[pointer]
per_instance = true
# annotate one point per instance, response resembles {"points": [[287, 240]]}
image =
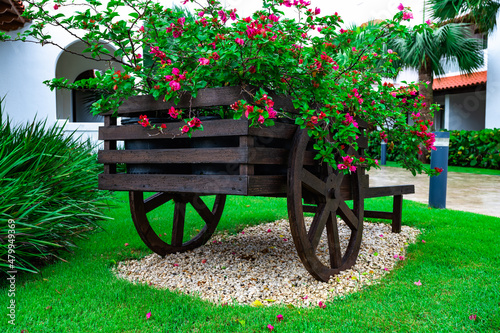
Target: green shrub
{"points": [[48, 187], [480, 149], [475, 148]]}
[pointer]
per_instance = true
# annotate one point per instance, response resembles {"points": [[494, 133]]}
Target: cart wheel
{"points": [[317, 190], [140, 207]]}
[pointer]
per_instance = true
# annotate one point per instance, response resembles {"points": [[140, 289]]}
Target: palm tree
{"points": [[426, 47], [481, 13]]}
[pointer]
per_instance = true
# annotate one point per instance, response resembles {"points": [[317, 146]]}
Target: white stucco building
{"points": [[471, 104]]}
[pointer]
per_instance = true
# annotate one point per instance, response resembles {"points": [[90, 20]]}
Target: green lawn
{"points": [[459, 267], [452, 168]]}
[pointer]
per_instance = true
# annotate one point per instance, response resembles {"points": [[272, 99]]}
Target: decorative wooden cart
{"points": [[275, 161]]}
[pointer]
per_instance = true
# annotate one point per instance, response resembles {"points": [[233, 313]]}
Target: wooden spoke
{"points": [[321, 184], [318, 225], [178, 225], [313, 183], [348, 216], [155, 240], [333, 242], [156, 200]]}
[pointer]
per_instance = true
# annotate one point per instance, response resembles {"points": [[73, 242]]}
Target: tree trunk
{"points": [[425, 75]]}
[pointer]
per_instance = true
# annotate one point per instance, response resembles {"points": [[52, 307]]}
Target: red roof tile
{"points": [[459, 81], [10, 15]]}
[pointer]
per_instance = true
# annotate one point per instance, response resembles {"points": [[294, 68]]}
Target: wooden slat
{"points": [[223, 96], [257, 155], [384, 191], [278, 131], [222, 127], [200, 184], [267, 185], [378, 215]]}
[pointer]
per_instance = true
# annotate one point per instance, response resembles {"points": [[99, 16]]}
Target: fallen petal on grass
{"points": [[418, 283], [148, 315], [472, 317]]}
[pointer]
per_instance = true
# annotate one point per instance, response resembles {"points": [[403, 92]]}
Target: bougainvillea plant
{"points": [[334, 75]]}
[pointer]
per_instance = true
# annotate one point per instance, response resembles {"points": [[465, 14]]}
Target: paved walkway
{"points": [[465, 192]]}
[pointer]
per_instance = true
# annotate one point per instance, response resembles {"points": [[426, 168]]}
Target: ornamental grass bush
{"points": [[48, 193]]}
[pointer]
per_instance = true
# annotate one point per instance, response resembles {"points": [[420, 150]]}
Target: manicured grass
{"points": [[459, 267], [452, 168]]}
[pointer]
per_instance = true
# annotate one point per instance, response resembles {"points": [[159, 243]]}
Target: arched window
{"points": [[74, 105], [82, 101]]}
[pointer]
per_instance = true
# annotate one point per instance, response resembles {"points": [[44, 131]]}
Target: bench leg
{"points": [[397, 212]]}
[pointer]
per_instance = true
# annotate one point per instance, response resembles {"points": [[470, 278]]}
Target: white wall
{"points": [[492, 119], [24, 67]]}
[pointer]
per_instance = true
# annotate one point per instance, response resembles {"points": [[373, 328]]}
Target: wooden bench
{"points": [[397, 193]]}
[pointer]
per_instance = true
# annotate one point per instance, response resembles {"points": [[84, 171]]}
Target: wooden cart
{"points": [[274, 161]]}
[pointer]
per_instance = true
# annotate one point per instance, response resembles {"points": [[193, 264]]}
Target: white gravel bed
{"points": [[260, 264]]}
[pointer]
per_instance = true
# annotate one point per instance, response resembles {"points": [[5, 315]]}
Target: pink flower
{"points": [[56, 6], [305, 297], [418, 283], [381, 235], [429, 23], [407, 16], [233, 14], [261, 119], [390, 51], [175, 85], [386, 269], [401, 258], [148, 315], [423, 241], [401, 7], [201, 14], [204, 61], [138, 56], [472, 317], [280, 318], [270, 327], [126, 244], [215, 56], [239, 41], [195, 122], [321, 305], [176, 265], [185, 129], [173, 113], [242, 232]]}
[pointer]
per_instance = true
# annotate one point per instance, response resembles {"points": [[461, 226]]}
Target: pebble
{"points": [[258, 265]]}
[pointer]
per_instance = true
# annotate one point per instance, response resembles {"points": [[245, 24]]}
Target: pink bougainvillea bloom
{"points": [[396, 256], [390, 51], [175, 85], [176, 265], [381, 235], [139, 56], [204, 61], [472, 317], [268, 230], [270, 327], [321, 305], [423, 241], [185, 129], [56, 6], [429, 23], [239, 41], [407, 16], [148, 315], [354, 49], [401, 7], [418, 283], [242, 232], [439, 170], [284, 239], [176, 71], [126, 244], [401, 258], [232, 15], [386, 269], [376, 161], [279, 317], [201, 14]]}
